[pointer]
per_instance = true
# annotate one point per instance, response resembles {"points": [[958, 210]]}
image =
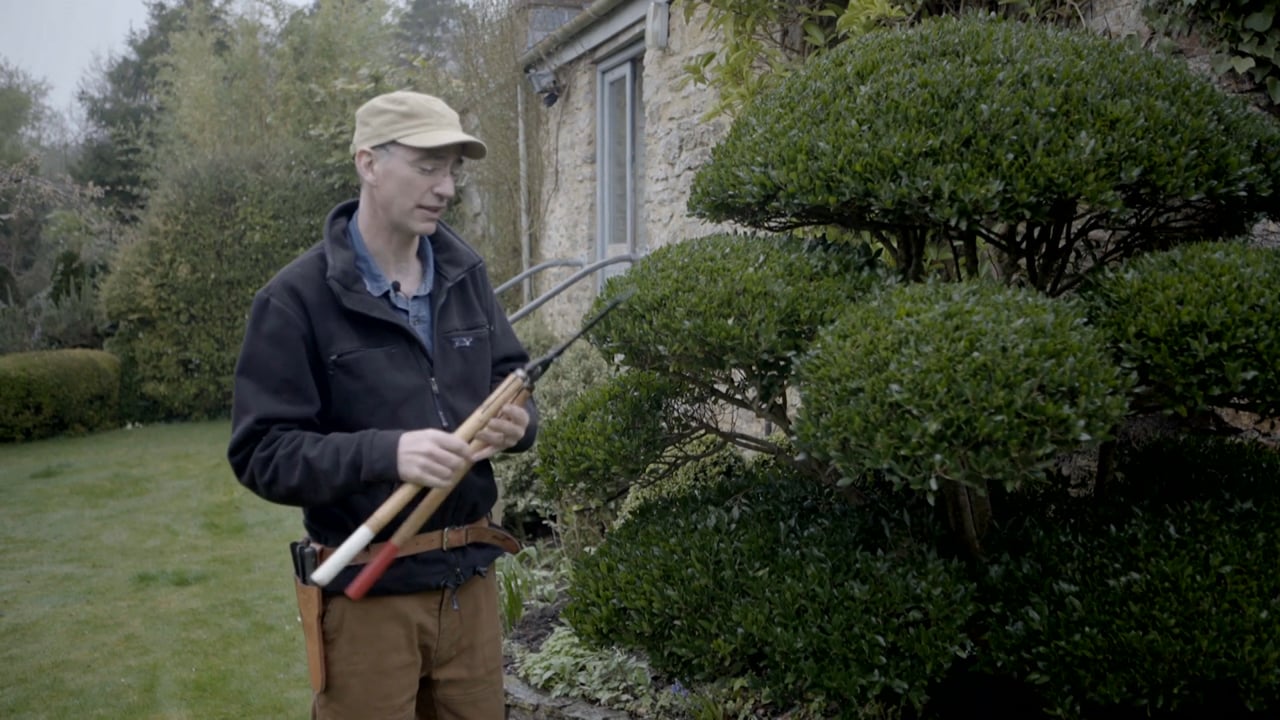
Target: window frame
{"points": [[626, 66]]}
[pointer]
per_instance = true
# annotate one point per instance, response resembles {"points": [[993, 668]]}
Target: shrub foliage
{"points": [[608, 437], [971, 383], [768, 575], [1198, 325], [726, 315], [957, 140], [1167, 600]]}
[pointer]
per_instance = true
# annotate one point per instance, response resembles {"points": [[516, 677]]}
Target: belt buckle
{"points": [[444, 538]]}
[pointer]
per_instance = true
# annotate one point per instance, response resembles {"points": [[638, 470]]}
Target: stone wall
{"points": [[678, 136], [568, 200], [1117, 18]]}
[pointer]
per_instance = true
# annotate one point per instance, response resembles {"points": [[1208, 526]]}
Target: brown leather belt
{"points": [[479, 531]]}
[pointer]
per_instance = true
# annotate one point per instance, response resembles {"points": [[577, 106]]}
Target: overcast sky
{"points": [[56, 40]]}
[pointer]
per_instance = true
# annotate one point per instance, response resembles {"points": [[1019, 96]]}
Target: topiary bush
{"points": [[1165, 600], [710, 461], [1197, 325], [526, 508], [969, 383], [722, 318], [977, 146], [771, 577], [607, 438], [55, 392], [216, 231], [729, 312], [705, 343]]}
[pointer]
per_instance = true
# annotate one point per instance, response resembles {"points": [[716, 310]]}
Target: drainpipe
{"points": [[526, 251]]}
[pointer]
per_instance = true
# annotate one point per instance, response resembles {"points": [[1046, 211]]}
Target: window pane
{"points": [[617, 154]]}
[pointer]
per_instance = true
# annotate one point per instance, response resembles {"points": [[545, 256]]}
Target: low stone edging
{"points": [[525, 702]]}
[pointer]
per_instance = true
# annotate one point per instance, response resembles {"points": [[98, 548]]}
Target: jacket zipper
{"points": [[437, 300], [435, 393]]}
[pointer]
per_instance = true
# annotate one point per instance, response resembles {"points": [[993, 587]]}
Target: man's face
{"points": [[413, 186]]}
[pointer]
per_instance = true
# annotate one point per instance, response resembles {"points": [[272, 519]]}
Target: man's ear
{"points": [[365, 166]]}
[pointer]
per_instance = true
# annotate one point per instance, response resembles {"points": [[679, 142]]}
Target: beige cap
{"points": [[412, 119]]}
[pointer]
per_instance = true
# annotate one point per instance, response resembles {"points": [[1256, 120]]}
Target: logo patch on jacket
{"points": [[463, 341]]}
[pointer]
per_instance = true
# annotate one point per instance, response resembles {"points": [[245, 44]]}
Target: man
{"points": [[359, 360]]}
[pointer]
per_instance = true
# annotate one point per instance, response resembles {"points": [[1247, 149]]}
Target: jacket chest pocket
{"points": [[464, 363], [375, 387]]}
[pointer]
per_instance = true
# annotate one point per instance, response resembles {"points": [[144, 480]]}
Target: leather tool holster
{"points": [[310, 609]]}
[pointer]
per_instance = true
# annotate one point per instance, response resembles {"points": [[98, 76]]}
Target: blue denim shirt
{"points": [[417, 307]]}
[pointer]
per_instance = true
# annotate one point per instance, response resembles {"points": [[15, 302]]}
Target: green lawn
{"points": [[138, 579]]}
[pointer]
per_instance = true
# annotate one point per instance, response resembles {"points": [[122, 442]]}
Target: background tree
{"points": [[52, 242], [431, 33], [22, 110], [251, 154], [24, 195], [486, 92], [122, 103]]}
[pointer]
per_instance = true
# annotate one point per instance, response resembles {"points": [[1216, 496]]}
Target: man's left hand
{"points": [[502, 431]]}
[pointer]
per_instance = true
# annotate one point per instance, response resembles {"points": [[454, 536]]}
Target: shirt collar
{"points": [[374, 281]]}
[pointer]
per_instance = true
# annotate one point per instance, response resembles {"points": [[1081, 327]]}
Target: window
{"points": [[617, 132]]}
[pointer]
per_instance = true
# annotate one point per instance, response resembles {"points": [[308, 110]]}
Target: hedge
{"points": [[54, 392], [1163, 598], [216, 231]]}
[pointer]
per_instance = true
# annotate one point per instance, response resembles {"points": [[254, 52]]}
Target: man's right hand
{"points": [[430, 457]]}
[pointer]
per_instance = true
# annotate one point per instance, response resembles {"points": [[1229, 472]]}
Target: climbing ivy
{"points": [[1246, 34], [764, 41]]}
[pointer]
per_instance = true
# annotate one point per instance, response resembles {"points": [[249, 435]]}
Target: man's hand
{"points": [[430, 457], [502, 431]]}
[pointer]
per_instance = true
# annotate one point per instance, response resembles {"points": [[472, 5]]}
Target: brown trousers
{"points": [[407, 657]]}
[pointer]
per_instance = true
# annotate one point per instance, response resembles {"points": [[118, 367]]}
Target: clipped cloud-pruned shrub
{"points": [[773, 578], [525, 506], [1198, 324], [55, 392], [1166, 602], [606, 438], [711, 461], [216, 230], [972, 383], [728, 313], [1061, 149]]}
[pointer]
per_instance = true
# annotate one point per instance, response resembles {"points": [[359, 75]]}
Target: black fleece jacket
{"points": [[329, 377]]}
